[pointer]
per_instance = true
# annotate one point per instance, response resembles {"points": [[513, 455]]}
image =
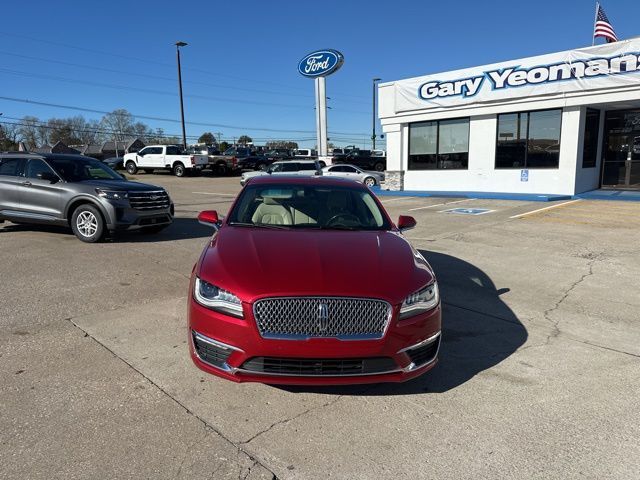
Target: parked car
{"points": [[231, 160], [363, 159], [169, 157], [279, 154], [254, 161], [80, 192], [351, 172], [286, 167], [324, 289], [305, 153], [114, 163]]}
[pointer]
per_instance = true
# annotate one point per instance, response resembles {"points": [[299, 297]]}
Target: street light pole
{"points": [[373, 134], [184, 132]]}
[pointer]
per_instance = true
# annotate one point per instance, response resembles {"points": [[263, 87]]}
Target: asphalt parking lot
{"points": [[538, 377]]}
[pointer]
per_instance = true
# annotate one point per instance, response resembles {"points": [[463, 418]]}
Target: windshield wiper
{"points": [[260, 225]]}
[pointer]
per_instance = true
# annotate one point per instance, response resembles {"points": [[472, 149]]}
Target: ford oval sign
{"points": [[320, 63]]}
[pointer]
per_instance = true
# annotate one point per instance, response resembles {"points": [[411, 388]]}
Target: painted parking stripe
{"points": [[395, 200], [219, 194], [545, 208], [440, 204]]}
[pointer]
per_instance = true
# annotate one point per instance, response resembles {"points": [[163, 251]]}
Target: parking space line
{"points": [[395, 200], [219, 194], [440, 204], [545, 208]]}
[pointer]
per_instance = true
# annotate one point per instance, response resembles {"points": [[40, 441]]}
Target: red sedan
{"points": [[308, 281]]}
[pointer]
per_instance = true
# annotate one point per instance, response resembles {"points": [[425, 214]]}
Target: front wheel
{"points": [[379, 167], [87, 224], [370, 182], [179, 170], [131, 168], [221, 169]]}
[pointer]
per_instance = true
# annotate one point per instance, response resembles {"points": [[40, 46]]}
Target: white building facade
{"points": [[562, 123]]}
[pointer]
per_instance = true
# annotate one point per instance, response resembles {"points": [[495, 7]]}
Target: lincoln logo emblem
{"points": [[323, 317]]}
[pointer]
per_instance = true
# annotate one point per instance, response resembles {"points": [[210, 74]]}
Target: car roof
{"points": [[301, 180], [48, 155], [341, 165]]}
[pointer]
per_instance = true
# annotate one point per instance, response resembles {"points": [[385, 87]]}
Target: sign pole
{"points": [[321, 115]]}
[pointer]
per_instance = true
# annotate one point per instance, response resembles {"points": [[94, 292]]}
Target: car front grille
{"points": [[306, 317], [319, 366], [151, 200]]}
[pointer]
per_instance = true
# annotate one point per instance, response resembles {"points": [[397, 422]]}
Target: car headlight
{"points": [[112, 194], [420, 301], [217, 299]]}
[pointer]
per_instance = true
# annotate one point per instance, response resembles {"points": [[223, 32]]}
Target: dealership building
{"points": [[562, 123]]}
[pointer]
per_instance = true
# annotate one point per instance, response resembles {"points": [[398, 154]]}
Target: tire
{"points": [[370, 182], [131, 168], [221, 169], [87, 223], [379, 167], [148, 170], [179, 170], [153, 229]]}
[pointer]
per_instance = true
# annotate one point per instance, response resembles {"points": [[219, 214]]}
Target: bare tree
{"points": [[119, 123], [28, 131]]}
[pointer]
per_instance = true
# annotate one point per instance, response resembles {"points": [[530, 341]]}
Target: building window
{"points": [[440, 144], [529, 139], [591, 129]]}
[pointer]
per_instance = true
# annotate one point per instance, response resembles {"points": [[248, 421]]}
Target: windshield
{"points": [[76, 169], [308, 206]]}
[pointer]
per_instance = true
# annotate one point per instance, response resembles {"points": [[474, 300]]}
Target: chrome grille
{"points": [[305, 317], [151, 200]]}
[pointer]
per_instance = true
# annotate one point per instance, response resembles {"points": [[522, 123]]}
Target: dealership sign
{"points": [[606, 66], [320, 63]]}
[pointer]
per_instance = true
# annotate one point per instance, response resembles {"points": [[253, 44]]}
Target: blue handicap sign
{"points": [[524, 175], [468, 211]]}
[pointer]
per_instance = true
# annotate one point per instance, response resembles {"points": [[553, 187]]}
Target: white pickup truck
{"points": [[167, 157]]}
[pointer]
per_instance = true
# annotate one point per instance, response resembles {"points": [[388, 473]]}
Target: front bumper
{"points": [[232, 348], [121, 216]]}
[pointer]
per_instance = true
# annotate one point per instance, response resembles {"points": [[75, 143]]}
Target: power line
{"points": [[155, 62], [169, 79], [170, 120]]}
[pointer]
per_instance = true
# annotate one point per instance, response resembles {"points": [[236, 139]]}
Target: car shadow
{"points": [[180, 229], [478, 332]]}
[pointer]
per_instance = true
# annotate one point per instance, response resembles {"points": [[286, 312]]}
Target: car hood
{"points": [[258, 173], [124, 185], [254, 262]]}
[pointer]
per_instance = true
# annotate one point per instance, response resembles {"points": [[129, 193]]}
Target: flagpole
{"points": [[595, 20]]}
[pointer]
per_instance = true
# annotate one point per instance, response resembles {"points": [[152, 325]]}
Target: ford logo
{"points": [[320, 63]]}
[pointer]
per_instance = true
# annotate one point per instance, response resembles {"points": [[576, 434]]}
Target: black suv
{"points": [[80, 192]]}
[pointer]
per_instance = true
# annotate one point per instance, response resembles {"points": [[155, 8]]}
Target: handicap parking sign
{"points": [[524, 175]]}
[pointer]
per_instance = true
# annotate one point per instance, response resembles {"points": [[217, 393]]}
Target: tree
{"points": [[224, 145], [8, 137], [207, 138], [282, 144], [119, 123], [28, 132], [244, 139]]}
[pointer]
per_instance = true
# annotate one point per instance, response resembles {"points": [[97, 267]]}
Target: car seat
{"points": [[272, 212]]}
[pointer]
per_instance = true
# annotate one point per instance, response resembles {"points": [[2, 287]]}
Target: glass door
{"points": [[621, 150]]}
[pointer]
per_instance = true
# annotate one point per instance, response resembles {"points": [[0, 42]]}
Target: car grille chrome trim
{"points": [[212, 352], [423, 353], [149, 200], [300, 318]]}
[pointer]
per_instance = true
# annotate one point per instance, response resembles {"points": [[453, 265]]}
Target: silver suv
{"points": [[80, 192]]}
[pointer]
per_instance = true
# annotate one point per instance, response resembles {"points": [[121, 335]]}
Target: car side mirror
{"points": [[406, 222], [48, 176], [209, 218]]}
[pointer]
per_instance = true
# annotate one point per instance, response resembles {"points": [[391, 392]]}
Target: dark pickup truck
{"points": [[363, 159]]}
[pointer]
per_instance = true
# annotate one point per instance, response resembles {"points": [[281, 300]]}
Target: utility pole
{"points": [[373, 134], [184, 132]]}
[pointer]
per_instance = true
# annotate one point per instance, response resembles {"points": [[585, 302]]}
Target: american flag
{"points": [[602, 27]]}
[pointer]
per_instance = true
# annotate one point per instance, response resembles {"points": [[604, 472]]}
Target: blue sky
{"points": [[239, 69]]}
